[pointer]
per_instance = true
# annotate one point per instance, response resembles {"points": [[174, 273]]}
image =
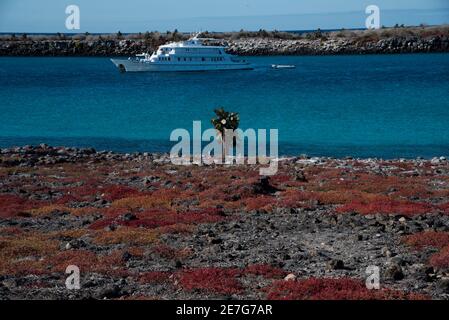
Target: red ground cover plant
{"points": [[113, 212], [22, 268], [293, 198], [211, 280], [11, 231], [67, 198], [281, 178], [406, 208], [88, 261], [154, 277], [12, 205], [436, 239], [168, 252], [161, 198], [441, 258], [261, 203], [85, 260], [332, 289], [347, 197], [23, 253], [26, 245], [87, 191], [444, 207], [116, 192], [164, 251], [265, 271]]}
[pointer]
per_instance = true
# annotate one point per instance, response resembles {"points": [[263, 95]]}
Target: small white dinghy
{"points": [[283, 66]]}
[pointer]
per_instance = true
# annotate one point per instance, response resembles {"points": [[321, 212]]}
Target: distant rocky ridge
{"points": [[244, 47], [339, 46], [391, 40]]}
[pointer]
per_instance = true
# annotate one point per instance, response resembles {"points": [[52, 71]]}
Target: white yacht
{"points": [[190, 55]]}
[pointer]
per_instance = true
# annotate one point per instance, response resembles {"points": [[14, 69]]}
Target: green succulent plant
{"points": [[225, 120]]}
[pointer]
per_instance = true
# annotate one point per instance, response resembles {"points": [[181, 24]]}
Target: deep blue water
{"points": [[383, 106]]}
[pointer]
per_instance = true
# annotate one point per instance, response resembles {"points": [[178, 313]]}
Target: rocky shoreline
{"points": [[260, 47], [389, 41], [140, 227]]}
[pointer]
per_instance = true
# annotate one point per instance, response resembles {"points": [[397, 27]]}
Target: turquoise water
{"points": [[384, 106]]}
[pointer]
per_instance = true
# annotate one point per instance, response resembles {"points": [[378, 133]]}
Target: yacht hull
{"points": [[142, 66]]}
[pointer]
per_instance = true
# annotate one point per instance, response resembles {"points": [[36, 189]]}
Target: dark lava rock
{"points": [[129, 217], [443, 284], [126, 256], [430, 274], [394, 272], [108, 292], [216, 241], [335, 264], [299, 176], [263, 186]]}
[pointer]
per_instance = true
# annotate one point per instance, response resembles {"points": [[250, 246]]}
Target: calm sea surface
{"points": [[383, 106]]}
